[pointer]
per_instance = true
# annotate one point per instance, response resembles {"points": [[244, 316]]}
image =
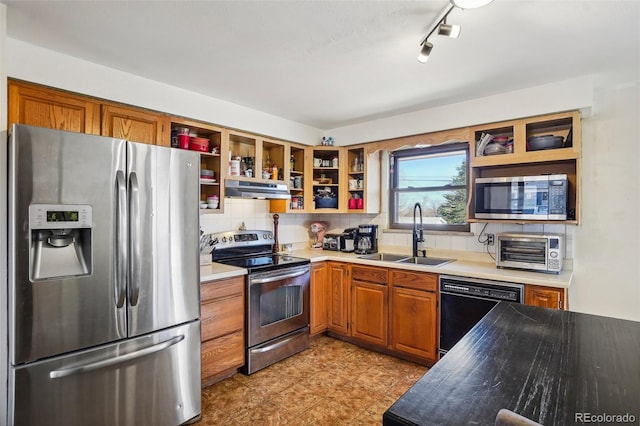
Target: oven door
{"points": [[278, 303]]}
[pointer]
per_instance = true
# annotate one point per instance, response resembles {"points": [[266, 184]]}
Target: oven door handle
{"points": [[270, 279]]}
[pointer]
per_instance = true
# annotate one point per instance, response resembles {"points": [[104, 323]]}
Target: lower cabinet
{"points": [[546, 297], [389, 310], [369, 304], [339, 297], [319, 296], [222, 323], [414, 313]]}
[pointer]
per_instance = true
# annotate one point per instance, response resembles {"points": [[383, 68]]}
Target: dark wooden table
{"points": [[553, 367]]}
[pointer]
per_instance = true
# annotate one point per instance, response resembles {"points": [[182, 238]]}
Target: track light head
{"points": [[470, 4], [448, 30], [425, 51]]}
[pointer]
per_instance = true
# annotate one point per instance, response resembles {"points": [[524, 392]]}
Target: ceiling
{"points": [[332, 63]]}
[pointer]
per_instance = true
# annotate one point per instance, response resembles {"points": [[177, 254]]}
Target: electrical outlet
{"points": [[490, 239]]}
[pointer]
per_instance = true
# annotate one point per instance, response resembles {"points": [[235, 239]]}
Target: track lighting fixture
{"points": [[449, 30], [470, 4], [445, 29], [425, 51]]}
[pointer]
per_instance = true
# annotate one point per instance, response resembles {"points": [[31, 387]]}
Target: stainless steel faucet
{"points": [[418, 233]]}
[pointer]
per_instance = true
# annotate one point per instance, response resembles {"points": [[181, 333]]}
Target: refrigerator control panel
{"points": [[60, 216]]}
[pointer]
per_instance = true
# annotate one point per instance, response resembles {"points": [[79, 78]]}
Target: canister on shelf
{"points": [[234, 166]]}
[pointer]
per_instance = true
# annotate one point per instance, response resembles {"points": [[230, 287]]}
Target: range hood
{"points": [[255, 189]]}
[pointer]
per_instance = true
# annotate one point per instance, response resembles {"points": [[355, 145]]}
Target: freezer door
{"points": [[49, 316], [149, 380], [164, 265]]}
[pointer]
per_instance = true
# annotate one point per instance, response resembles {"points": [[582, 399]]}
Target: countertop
{"points": [[218, 271], [547, 365], [461, 267]]}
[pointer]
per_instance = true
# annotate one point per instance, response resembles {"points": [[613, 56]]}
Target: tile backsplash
{"points": [[294, 228]]}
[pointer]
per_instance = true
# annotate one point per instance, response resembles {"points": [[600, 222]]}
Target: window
{"points": [[435, 177]]}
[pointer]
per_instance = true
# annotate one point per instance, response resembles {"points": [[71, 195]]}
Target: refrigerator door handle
{"points": [[84, 368], [121, 239], [134, 239]]}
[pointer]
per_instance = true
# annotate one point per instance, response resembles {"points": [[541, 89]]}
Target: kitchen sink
{"points": [[429, 261], [385, 257]]}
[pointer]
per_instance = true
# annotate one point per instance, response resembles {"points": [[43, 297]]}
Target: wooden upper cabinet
{"points": [[43, 107], [134, 125]]}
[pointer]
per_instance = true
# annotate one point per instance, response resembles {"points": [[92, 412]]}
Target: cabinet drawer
{"points": [[369, 274], [222, 354], [221, 288], [222, 316], [415, 280]]}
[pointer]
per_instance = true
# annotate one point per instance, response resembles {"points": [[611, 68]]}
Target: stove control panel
{"points": [[234, 239]]}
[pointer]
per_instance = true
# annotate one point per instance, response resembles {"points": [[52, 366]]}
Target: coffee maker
{"points": [[366, 240]]}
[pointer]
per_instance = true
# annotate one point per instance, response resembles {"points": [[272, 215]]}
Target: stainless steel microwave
{"points": [[532, 251], [541, 197]]}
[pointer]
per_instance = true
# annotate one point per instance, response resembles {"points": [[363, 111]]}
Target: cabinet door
{"points": [[369, 312], [545, 297], [319, 298], [413, 322], [339, 301], [43, 107], [134, 125]]}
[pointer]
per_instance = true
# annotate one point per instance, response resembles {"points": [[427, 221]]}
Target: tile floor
{"points": [[331, 383]]}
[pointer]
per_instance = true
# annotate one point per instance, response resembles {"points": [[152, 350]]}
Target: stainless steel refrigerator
{"points": [[103, 281]]}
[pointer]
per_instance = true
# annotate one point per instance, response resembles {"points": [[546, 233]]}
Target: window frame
{"points": [[394, 190]]}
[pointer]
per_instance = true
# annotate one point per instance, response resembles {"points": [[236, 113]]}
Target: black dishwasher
{"points": [[464, 301]]}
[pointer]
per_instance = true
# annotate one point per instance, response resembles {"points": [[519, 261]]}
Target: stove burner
{"points": [[252, 250], [264, 262]]}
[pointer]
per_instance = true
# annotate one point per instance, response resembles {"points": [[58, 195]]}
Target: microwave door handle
{"points": [[134, 239], [121, 240]]}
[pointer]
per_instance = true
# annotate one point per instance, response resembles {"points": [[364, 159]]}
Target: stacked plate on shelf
{"points": [[492, 145], [207, 176]]}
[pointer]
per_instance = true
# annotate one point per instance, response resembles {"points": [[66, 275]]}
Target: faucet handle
{"points": [[424, 252]]}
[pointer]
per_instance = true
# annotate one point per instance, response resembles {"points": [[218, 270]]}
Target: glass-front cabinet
{"points": [[326, 179], [356, 180], [272, 154], [209, 141], [294, 175], [241, 155], [297, 178]]}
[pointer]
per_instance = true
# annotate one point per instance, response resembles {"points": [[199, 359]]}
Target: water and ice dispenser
{"points": [[60, 241]]}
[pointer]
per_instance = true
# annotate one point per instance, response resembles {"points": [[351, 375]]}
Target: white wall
{"points": [[576, 93], [38, 65], [607, 243]]}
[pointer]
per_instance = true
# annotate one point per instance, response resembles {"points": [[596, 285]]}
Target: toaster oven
{"points": [[340, 242], [334, 242], [532, 251]]}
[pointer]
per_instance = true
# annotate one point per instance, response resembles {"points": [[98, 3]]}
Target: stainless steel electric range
{"points": [[277, 296]]}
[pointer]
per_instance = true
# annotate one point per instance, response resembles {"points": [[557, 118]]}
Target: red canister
{"points": [[183, 141]]}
